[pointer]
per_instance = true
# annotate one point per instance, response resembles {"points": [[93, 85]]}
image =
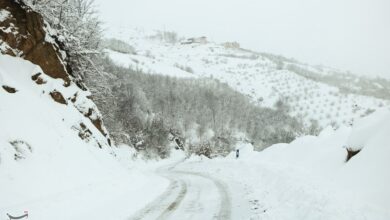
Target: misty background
{"points": [[349, 35]]}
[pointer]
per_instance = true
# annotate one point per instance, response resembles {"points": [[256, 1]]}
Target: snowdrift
{"points": [[310, 177]]}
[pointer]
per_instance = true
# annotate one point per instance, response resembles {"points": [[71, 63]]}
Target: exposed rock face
{"points": [[99, 125], [24, 33]]}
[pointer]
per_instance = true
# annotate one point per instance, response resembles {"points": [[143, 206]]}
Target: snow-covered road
{"points": [[191, 195]]}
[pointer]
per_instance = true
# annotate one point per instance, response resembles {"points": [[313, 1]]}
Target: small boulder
{"points": [[99, 125], [351, 153], [9, 89], [38, 79], [58, 97]]}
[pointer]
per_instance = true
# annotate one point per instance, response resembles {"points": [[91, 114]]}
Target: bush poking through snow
{"points": [[21, 149], [84, 132], [73, 99], [201, 149], [351, 153], [185, 68]]}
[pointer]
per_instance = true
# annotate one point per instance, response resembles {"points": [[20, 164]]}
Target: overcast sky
{"points": [[347, 34]]}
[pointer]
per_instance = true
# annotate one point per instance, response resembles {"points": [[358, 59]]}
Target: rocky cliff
{"points": [[25, 34]]}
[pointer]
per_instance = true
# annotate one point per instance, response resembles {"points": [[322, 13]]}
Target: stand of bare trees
{"points": [[205, 113]]}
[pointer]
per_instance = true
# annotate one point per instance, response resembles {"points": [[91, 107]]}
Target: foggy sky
{"points": [[347, 34]]}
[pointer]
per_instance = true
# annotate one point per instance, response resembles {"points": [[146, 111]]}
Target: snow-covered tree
{"points": [[78, 29]]}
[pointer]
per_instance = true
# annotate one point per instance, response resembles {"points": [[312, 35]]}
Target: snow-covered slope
{"points": [[36, 94], [263, 77], [54, 162], [310, 178]]}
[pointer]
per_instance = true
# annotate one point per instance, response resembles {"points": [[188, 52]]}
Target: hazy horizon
{"points": [[349, 35]]}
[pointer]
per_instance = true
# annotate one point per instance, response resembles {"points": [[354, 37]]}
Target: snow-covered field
{"points": [[262, 79]]}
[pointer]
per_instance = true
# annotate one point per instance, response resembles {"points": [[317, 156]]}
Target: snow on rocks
{"points": [[4, 14], [31, 40], [20, 74]]}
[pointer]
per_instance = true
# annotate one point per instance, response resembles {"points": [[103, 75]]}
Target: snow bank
{"points": [[368, 171], [310, 178], [368, 128]]}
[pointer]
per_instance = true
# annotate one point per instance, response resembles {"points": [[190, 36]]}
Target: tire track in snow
{"points": [[169, 202], [173, 206], [160, 202], [225, 202]]}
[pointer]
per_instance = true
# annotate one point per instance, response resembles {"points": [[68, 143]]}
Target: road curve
{"points": [[190, 195]]}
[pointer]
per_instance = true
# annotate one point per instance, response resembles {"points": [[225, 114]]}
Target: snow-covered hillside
{"points": [[54, 163], [260, 76]]}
